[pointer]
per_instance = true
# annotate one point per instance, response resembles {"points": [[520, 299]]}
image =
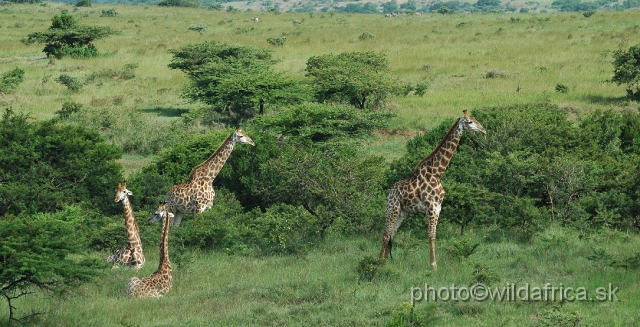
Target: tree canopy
{"points": [[233, 79], [65, 37], [44, 166], [359, 78], [627, 70]]}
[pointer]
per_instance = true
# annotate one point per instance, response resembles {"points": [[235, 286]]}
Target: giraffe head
{"points": [[122, 192], [240, 137], [469, 123], [160, 213]]}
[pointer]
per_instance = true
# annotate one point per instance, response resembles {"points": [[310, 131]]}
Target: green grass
{"points": [[322, 287], [452, 53]]}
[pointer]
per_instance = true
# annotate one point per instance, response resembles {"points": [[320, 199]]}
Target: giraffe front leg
{"points": [[177, 218], [433, 214]]}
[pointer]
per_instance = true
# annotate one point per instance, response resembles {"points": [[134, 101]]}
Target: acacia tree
{"points": [[65, 37], [627, 70], [42, 253], [359, 78], [234, 79]]}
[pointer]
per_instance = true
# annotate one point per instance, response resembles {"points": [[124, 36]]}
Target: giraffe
{"points": [[423, 192], [159, 283], [196, 195], [130, 255]]}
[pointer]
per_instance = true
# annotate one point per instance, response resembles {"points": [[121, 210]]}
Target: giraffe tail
{"points": [[390, 247]]}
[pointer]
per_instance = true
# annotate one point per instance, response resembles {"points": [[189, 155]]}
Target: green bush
{"points": [[368, 268], [83, 3], [561, 88], [109, 13], [72, 83], [277, 41], [46, 165], [10, 80], [180, 3]]}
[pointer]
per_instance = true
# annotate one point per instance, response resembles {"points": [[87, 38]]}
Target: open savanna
{"points": [[469, 61]]}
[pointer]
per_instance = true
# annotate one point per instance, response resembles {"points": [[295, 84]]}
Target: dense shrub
{"points": [[535, 166], [45, 165], [10, 80]]}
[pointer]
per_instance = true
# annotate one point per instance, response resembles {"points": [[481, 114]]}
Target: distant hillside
{"points": [[401, 7]]}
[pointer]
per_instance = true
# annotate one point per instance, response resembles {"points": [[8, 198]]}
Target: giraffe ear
{"points": [[171, 215], [129, 192]]}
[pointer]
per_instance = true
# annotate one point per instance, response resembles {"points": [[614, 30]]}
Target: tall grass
{"points": [[322, 287]]}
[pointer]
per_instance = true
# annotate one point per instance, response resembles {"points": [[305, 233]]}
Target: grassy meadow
{"points": [[468, 61]]}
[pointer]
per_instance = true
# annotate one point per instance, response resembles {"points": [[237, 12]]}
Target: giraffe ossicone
{"points": [[197, 195], [160, 282], [423, 192], [131, 254]]}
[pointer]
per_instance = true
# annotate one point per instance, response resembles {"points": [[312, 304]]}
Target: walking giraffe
{"points": [[159, 283], [423, 192], [131, 255], [197, 195]]}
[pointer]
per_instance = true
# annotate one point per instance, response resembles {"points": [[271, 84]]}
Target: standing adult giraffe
{"points": [[131, 254], [196, 195], [423, 192]]}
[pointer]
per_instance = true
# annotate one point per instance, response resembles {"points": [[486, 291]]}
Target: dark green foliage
{"points": [[277, 41], [10, 80], [42, 253], [235, 80], [359, 78], [44, 166], [463, 248], [83, 3], [408, 315], [627, 70], [334, 184], [561, 88], [180, 3], [484, 274], [536, 166], [72, 83], [368, 268], [319, 123], [68, 108], [365, 36], [66, 37], [109, 13]]}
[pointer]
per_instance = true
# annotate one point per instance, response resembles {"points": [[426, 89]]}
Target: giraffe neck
{"points": [[130, 223], [437, 162], [209, 169], [165, 264]]}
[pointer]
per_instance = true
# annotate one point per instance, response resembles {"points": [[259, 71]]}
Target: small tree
{"points": [[42, 254], [359, 78], [66, 37], [235, 80], [627, 70]]}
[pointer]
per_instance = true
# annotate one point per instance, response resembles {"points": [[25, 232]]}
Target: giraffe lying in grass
{"points": [[159, 283]]}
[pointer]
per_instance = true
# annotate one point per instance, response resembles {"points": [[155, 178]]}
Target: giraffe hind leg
{"points": [[394, 218]]}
